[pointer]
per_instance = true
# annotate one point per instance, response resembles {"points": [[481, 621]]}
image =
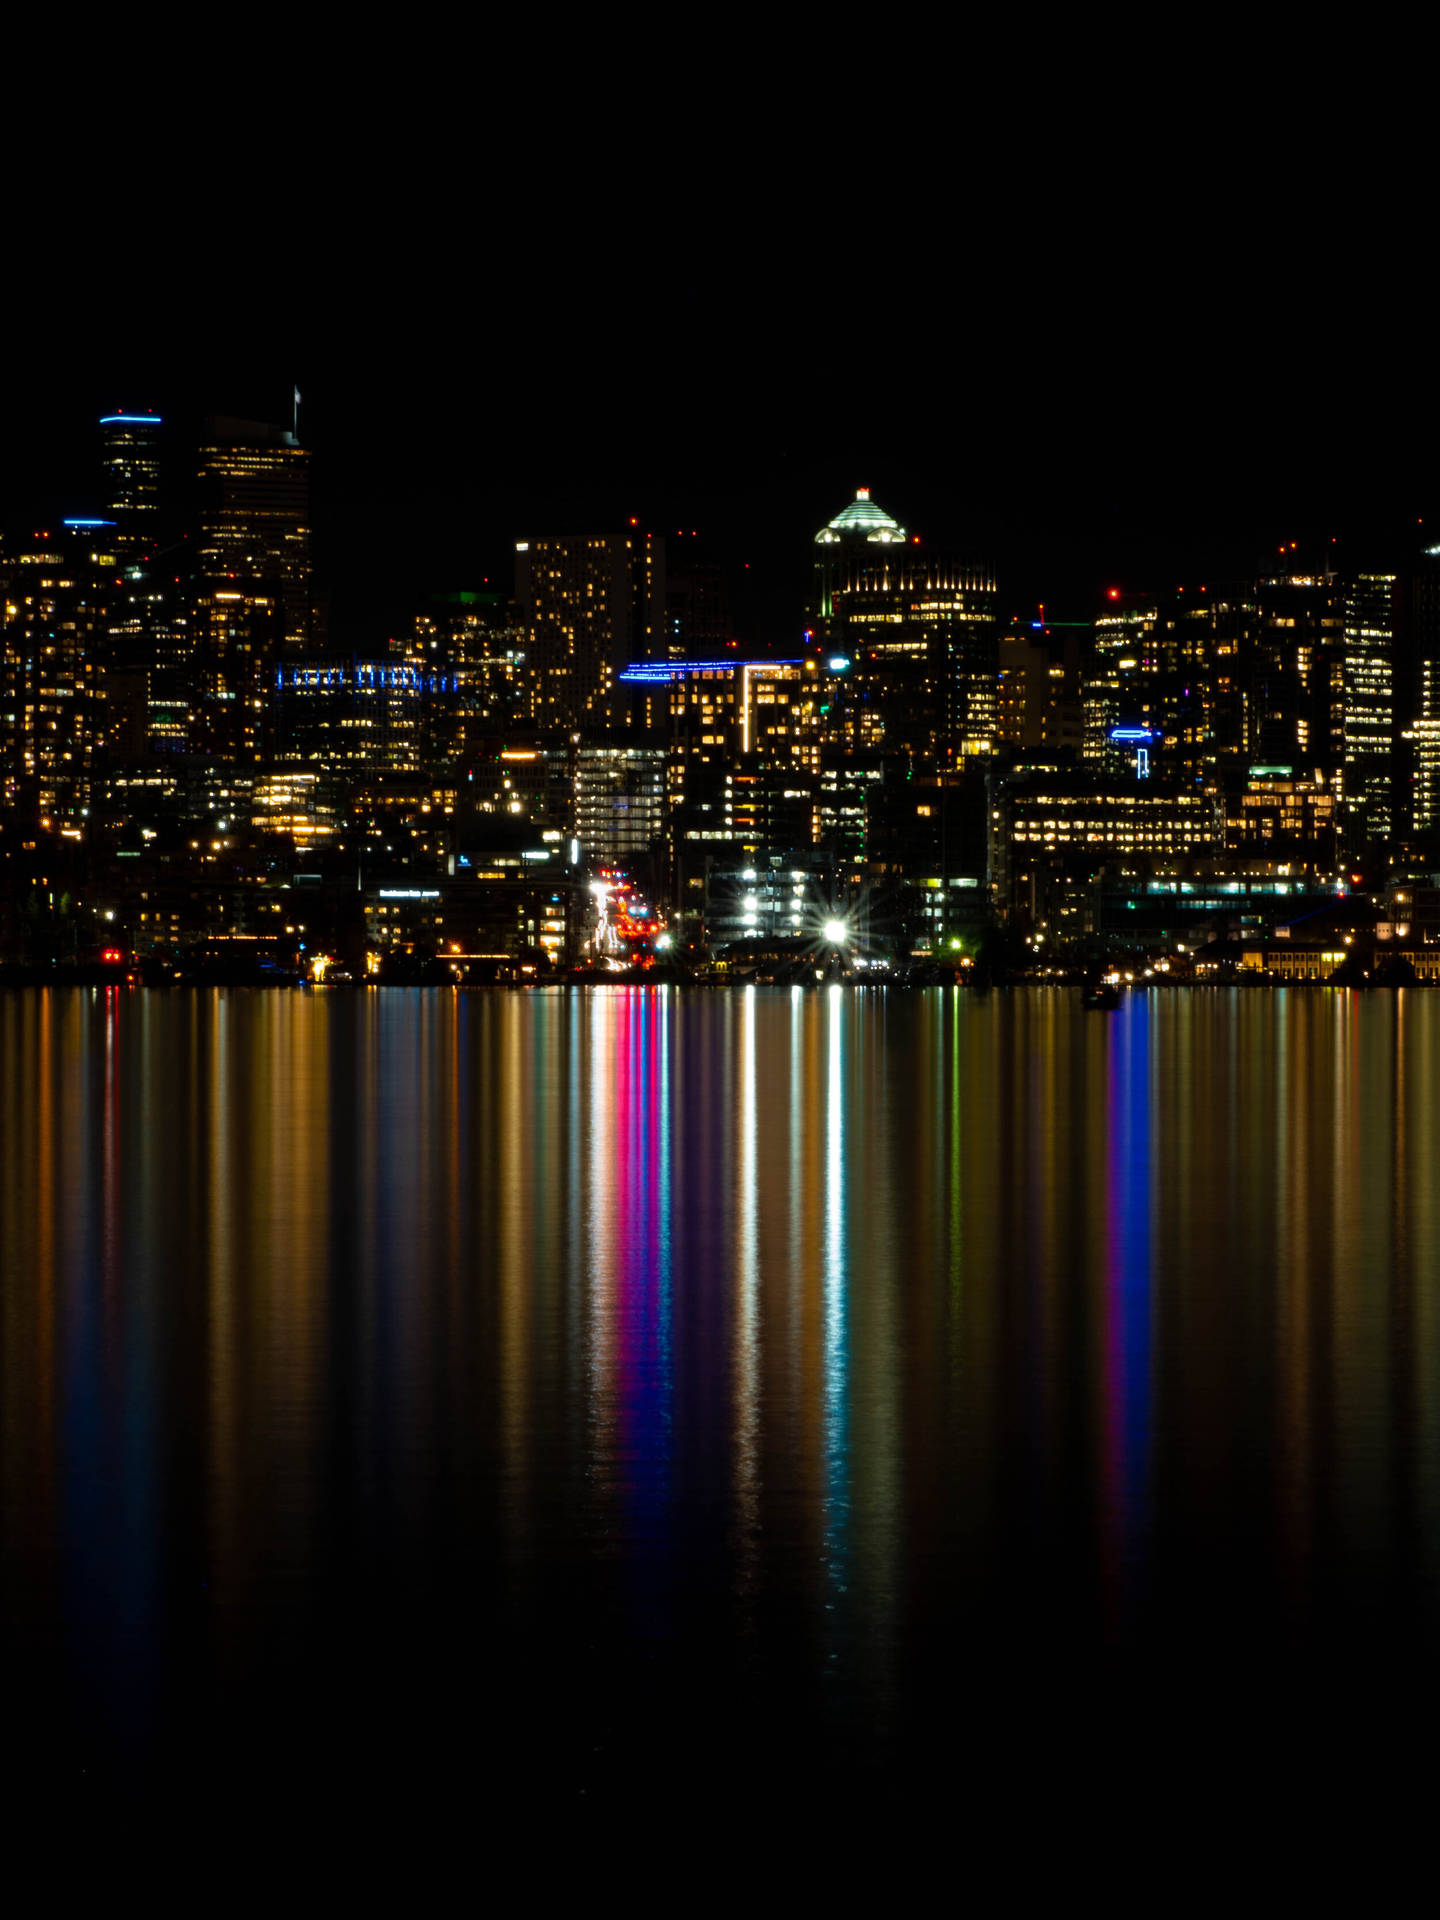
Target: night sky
{"points": [[1102, 311]]}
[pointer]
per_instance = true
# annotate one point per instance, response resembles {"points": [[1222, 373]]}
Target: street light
{"points": [[835, 932]]}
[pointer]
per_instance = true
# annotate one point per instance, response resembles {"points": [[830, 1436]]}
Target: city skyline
{"points": [[598, 768], [1056, 537]]}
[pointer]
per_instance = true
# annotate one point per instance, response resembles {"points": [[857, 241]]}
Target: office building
{"points": [[712, 713], [254, 530], [1368, 719], [1295, 675], [479, 639], [1049, 822], [53, 595], [380, 715], [130, 458], [1284, 822], [620, 802], [1038, 704], [916, 633], [590, 606]]}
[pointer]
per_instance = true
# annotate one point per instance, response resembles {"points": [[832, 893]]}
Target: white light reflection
{"points": [[747, 1310], [834, 1277]]}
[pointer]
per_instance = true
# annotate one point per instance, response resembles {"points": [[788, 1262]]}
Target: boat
{"points": [[1102, 995]]}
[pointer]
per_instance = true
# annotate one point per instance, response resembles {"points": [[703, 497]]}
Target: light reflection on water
{"points": [[646, 1371]]}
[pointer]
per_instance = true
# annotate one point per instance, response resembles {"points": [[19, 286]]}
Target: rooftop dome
{"points": [[862, 518]]}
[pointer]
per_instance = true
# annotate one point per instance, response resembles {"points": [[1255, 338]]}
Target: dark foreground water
{"points": [[637, 1397]]}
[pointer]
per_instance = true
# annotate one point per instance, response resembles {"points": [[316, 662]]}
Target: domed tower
{"points": [[861, 527], [912, 633]]}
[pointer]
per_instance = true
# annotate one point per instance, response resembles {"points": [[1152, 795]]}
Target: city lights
{"points": [[507, 777]]}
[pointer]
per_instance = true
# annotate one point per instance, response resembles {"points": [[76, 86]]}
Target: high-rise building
{"points": [[1295, 682], [697, 605], [1425, 745], [1206, 637], [713, 713], [233, 643], [1038, 697], [149, 686], [1169, 667], [51, 698], [861, 527], [1044, 822], [131, 461], [254, 529], [1285, 823], [1369, 708], [479, 639], [1417, 698], [374, 716], [1123, 682], [917, 633], [620, 804], [591, 604]]}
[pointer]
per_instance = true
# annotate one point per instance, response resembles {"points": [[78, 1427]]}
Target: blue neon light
{"points": [[365, 677], [87, 523], [1131, 733], [677, 669], [130, 420]]}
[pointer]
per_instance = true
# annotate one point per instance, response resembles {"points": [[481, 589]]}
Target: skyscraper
{"points": [[1369, 712], [591, 605], [131, 460], [51, 712], [1295, 690], [255, 519], [917, 630]]}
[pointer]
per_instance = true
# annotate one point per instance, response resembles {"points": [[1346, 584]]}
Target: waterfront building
{"points": [[1044, 821], [775, 899], [1284, 821]]}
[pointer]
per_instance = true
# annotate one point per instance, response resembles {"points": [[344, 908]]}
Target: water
{"points": [[640, 1393]]}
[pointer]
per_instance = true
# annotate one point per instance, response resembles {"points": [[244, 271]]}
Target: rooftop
{"points": [[861, 517]]}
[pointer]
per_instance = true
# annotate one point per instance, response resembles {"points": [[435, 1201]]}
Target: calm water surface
{"points": [[628, 1392]]}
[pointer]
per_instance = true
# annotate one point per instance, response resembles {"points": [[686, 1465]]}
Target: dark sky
{"points": [[1108, 309]]}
